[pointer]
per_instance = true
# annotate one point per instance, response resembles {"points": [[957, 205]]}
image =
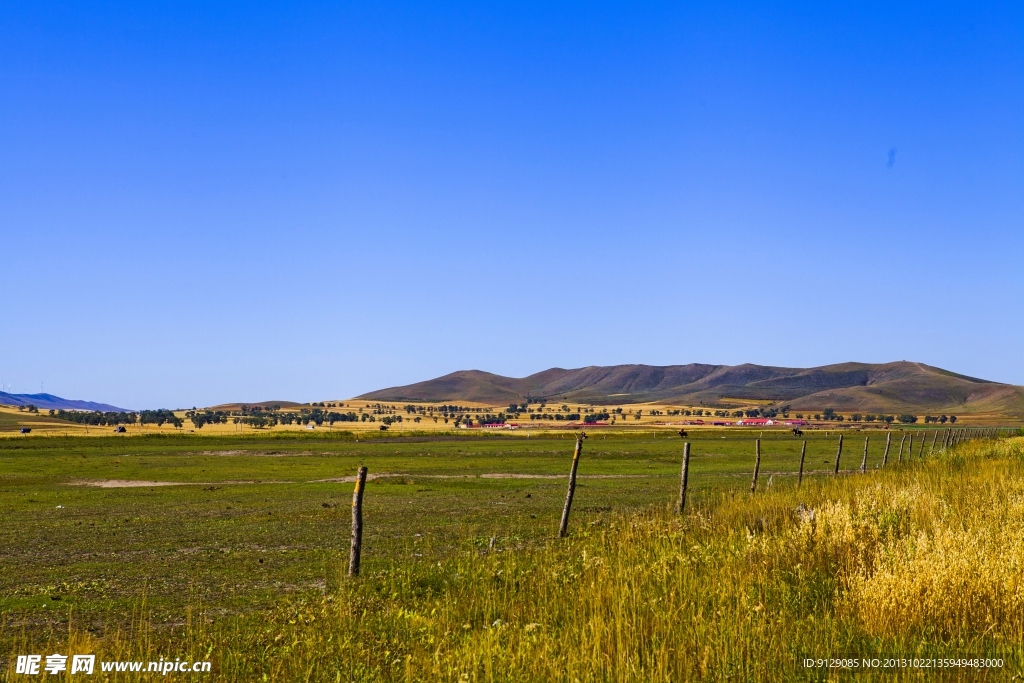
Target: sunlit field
{"points": [[241, 561], [368, 417]]}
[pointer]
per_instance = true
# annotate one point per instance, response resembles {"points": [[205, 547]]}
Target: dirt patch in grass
{"points": [[141, 483], [259, 454], [129, 483], [486, 475]]}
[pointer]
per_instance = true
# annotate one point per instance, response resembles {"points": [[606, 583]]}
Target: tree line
{"points": [[111, 419]]}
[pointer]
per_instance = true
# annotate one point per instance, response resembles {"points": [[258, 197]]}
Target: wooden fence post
{"points": [[757, 464], [903, 441], [839, 453], [935, 435], [683, 478], [563, 528], [803, 454], [920, 452], [864, 460], [357, 523], [885, 456]]}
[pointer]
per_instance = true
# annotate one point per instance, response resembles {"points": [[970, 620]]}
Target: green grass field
{"points": [[249, 550]]}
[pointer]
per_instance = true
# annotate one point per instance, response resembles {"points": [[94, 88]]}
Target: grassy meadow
{"points": [[242, 560]]}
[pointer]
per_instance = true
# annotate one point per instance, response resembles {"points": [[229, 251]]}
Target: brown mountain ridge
{"points": [[897, 387]]}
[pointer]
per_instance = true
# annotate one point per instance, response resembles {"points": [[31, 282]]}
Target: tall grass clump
{"points": [[921, 560]]}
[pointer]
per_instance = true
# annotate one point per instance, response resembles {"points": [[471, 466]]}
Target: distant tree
{"points": [[96, 418], [952, 419], [907, 419], [829, 414], [943, 419], [888, 419], [869, 418], [259, 422], [856, 417]]}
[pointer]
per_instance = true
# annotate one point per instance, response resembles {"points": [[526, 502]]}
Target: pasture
{"points": [[235, 546]]}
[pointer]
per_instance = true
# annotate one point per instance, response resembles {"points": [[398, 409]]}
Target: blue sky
{"points": [[203, 202]]}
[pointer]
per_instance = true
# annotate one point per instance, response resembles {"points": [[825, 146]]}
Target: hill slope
{"points": [[273, 405], [49, 401], [883, 387]]}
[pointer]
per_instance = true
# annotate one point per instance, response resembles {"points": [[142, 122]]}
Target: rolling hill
{"points": [[272, 405], [49, 401], [901, 386]]}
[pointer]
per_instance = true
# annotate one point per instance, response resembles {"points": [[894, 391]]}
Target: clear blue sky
{"points": [[205, 202]]}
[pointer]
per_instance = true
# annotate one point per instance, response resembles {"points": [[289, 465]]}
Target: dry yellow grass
{"points": [[653, 416]]}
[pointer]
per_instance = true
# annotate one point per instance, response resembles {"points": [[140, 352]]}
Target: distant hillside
{"points": [[48, 401], [886, 387], [274, 405]]}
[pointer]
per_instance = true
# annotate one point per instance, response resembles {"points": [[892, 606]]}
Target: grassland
{"points": [[241, 562]]}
